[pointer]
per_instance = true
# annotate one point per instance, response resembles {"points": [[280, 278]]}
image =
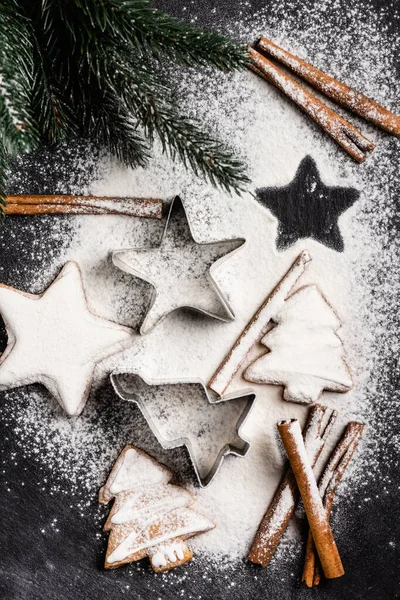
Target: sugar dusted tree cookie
{"points": [[306, 354], [149, 517]]}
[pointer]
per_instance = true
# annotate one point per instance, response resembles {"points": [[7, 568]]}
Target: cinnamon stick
{"points": [[82, 205], [328, 483], [341, 93], [292, 439], [345, 134], [273, 526], [54, 209], [257, 326]]}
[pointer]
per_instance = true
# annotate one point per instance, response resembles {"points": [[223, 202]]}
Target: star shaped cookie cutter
{"points": [[180, 269], [210, 435]]}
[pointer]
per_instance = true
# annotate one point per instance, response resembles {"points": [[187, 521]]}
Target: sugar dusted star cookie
{"points": [[54, 339]]}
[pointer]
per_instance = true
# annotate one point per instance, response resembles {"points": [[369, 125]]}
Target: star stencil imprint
{"points": [[55, 340], [307, 208], [180, 270]]}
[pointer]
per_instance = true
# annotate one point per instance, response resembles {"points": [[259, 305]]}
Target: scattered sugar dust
{"points": [[361, 283]]}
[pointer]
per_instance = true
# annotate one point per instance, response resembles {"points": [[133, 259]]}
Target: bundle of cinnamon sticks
{"points": [[343, 132], [304, 450]]}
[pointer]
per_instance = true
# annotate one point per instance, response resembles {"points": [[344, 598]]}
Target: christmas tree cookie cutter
{"points": [[184, 413], [180, 269]]}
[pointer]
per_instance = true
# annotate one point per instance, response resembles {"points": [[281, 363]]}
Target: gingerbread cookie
{"points": [[54, 339], [149, 517], [306, 354]]}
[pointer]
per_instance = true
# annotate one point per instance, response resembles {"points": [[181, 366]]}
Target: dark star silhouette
{"points": [[307, 208]]}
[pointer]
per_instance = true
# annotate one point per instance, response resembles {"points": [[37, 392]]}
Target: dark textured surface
{"points": [[43, 563]]}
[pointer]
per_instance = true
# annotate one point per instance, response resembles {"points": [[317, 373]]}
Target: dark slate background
{"points": [[38, 567]]}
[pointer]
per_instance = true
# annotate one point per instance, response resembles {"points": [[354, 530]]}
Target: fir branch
{"points": [[112, 127], [52, 105], [144, 95], [150, 31], [55, 114], [206, 156], [18, 128], [92, 72], [3, 179], [186, 44]]}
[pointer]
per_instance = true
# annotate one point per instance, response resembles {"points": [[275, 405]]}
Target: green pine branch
{"points": [[122, 138], [3, 179], [145, 94], [180, 136], [53, 108], [94, 68], [18, 127], [150, 31]]}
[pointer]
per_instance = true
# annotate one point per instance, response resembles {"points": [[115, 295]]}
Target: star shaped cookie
{"points": [[54, 339], [307, 208], [180, 270]]}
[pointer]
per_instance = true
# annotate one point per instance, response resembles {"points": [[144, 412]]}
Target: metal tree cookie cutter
{"points": [[180, 269], [212, 424]]}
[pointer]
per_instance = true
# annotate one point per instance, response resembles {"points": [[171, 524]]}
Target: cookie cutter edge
{"points": [[230, 315], [212, 399]]}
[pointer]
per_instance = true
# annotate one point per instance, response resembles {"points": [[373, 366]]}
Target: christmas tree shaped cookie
{"points": [[149, 517], [306, 354]]}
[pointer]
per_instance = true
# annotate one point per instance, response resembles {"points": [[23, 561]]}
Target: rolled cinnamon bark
{"points": [[341, 93], [67, 209], [328, 483], [328, 553], [273, 526], [83, 205], [309, 562], [343, 132]]}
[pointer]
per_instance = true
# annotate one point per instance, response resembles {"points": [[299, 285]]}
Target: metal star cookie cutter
{"points": [[210, 435], [185, 282]]}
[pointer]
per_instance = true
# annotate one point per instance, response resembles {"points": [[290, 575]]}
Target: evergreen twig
{"points": [[18, 128], [92, 68], [122, 138], [3, 179], [150, 31]]}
